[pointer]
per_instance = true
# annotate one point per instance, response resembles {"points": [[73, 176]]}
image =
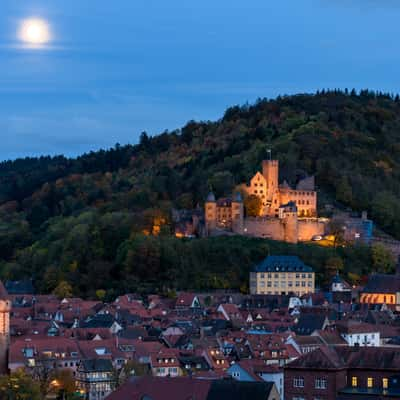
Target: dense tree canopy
{"points": [[103, 221]]}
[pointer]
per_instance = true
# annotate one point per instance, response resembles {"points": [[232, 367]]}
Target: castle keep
{"points": [[287, 214]]}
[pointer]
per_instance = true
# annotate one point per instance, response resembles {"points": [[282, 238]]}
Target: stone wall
{"points": [[309, 228]]}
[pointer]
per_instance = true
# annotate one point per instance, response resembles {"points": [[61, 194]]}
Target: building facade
{"points": [[286, 214], [282, 275]]}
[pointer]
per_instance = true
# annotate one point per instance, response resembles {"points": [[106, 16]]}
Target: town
{"points": [[285, 340]]}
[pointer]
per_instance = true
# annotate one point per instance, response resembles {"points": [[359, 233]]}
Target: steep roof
{"points": [[282, 264], [235, 390], [3, 292], [97, 365], [382, 283], [323, 357], [329, 357]]}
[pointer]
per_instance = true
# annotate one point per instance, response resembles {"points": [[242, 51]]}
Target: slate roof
{"points": [[97, 365], [382, 283], [308, 323], [235, 390], [282, 264]]}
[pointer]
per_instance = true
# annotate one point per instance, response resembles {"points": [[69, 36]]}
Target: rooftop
{"points": [[282, 264]]}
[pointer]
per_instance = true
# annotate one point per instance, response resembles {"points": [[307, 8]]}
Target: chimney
{"points": [[364, 215]]}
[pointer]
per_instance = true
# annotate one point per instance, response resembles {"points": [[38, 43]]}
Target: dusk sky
{"points": [[112, 69]]}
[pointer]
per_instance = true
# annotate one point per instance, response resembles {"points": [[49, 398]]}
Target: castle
{"points": [[286, 214]]}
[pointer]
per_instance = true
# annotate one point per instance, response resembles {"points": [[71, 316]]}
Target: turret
{"points": [[237, 213], [288, 214], [210, 213], [5, 308]]}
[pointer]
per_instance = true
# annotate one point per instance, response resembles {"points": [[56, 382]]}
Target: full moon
{"points": [[34, 31]]}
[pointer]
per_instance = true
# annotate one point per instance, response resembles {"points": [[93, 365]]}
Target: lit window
{"points": [[370, 382], [354, 381], [385, 383]]}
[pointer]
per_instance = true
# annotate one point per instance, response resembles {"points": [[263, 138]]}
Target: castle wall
{"points": [[308, 228], [264, 227]]}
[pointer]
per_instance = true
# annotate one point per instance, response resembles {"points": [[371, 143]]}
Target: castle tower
{"points": [[210, 213], [5, 308], [270, 169], [237, 213], [290, 222]]}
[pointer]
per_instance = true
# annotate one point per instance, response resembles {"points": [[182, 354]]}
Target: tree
{"points": [[334, 265], [336, 228], [19, 386], [252, 205], [63, 290], [100, 294], [382, 258]]}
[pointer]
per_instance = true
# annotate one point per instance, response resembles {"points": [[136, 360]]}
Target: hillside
{"points": [[80, 220]]}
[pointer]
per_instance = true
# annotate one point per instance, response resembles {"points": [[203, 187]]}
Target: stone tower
{"points": [[290, 222], [5, 308], [211, 213], [237, 213], [270, 169]]}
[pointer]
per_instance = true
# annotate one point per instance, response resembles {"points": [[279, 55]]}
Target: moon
{"points": [[35, 31]]}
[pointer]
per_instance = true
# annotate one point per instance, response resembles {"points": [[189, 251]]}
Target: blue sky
{"points": [[116, 68]]}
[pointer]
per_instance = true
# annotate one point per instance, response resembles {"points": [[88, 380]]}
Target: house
{"points": [[327, 371], [383, 289], [95, 378], [184, 388], [282, 275], [305, 344], [187, 301], [230, 312], [310, 322], [165, 363], [257, 371], [357, 333]]}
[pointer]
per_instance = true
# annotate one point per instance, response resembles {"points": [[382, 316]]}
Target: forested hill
{"points": [[58, 215]]}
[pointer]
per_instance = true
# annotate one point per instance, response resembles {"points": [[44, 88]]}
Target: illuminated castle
{"points": [[286, 214]]}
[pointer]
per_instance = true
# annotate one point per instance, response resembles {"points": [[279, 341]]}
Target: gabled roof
{"points": [[308, 323], [323, 357], [282, 264]]}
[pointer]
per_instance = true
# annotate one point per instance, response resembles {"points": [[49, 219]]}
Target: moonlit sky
{"points": [[116, 68]]}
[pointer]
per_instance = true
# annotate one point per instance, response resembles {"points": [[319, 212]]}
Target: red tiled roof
{"points": [[162, 388]]}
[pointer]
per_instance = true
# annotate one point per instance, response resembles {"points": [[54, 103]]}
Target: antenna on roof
{"points": [[269, 152]]}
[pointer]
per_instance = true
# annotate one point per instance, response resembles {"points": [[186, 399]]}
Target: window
{"points": [[385, 383], [298, 382], [370, 382], [354, 381], [320, 383], [235, 374]]}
